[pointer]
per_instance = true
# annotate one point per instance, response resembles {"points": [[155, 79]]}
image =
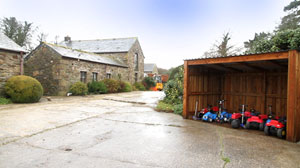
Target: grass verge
{"points": [[4, 101], [162, 106]]}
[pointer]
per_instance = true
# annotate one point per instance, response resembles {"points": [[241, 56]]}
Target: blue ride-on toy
{"points": [[209, 116]]}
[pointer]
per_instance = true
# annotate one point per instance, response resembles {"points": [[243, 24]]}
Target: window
{"points": [[136, 62], [95, 76], [83, 76], [108, 75], [136, 77]]}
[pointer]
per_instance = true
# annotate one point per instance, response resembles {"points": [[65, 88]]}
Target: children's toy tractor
{"points": [[239, 119], [257, 121], [276, 127]]}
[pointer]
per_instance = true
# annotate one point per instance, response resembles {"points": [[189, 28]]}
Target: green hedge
{"points": [[79, 88], [23, 89], [97, 87], [125, 86], [139, 86]]}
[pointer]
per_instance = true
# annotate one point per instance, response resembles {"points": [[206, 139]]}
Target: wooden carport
{"points": [[257, 80]]}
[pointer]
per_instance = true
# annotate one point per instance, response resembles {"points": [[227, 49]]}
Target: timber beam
{"points": [[242, 58], [221, 67]]}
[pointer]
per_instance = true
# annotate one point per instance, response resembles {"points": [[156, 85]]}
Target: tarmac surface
{"points": [[123, 130]]}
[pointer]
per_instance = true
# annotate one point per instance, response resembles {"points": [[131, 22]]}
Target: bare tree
{"points": [[222, 48], [42, 37], [56, 39]]}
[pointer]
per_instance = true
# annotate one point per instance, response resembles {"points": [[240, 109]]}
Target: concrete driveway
{"points": [[123, 130]]}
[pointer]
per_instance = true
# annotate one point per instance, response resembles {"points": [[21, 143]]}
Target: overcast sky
{"points": [[169, 31]]}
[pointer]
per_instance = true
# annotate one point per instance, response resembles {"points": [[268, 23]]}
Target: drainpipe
{"points": [[21, 66]]}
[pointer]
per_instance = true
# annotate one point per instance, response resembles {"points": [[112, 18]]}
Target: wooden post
{"points": [[185, 91], [293, 127]]}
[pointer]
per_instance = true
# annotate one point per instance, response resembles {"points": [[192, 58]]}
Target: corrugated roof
{"points": [[71, 53], [101, 45], [149, 67], [8, 44], [237, 55]]}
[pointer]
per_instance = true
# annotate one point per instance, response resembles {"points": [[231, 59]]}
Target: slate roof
{"points": [[8, 44], [148, 67], [101, 45], [76, 54]]}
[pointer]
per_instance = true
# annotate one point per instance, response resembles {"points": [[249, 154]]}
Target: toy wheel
{"points": [[235, 123], [247, 125], [261, 126], [210, 120], [267, 130], [281, 133]]}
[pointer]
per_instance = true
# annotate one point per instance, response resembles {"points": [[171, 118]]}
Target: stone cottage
{"points": [[150, 69], [57, 67], [11, 59], [127, 50]]}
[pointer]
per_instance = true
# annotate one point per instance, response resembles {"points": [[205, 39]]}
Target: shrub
{"points": [[148, 82], [178, 108], [127, 87], [4, 100], [121, 86], [97, 87], [139, 86], [174, 89], [133, 88], [23, 89], [112, 85], [79, 88]]}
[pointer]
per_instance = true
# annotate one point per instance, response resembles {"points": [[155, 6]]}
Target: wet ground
{"points": [[123, 130]]}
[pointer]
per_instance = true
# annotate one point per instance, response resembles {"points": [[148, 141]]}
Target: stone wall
{"points": [[136, 48], [128, 58], [43, 65], [70, 72], [10, 63]]}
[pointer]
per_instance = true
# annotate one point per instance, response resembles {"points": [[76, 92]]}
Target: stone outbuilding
{"points": [[57, 67], [126, 50], [150, 69], [11, 59]]}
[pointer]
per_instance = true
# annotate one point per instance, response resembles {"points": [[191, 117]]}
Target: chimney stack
{"points": [[68, 39]]}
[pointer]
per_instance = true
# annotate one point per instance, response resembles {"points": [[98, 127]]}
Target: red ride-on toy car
{"points": [[276, 127], [238, 119], [257, 121]]}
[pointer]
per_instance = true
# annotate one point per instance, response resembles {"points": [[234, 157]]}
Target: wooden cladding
{"points": [[257, 90], [278, 85]]}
